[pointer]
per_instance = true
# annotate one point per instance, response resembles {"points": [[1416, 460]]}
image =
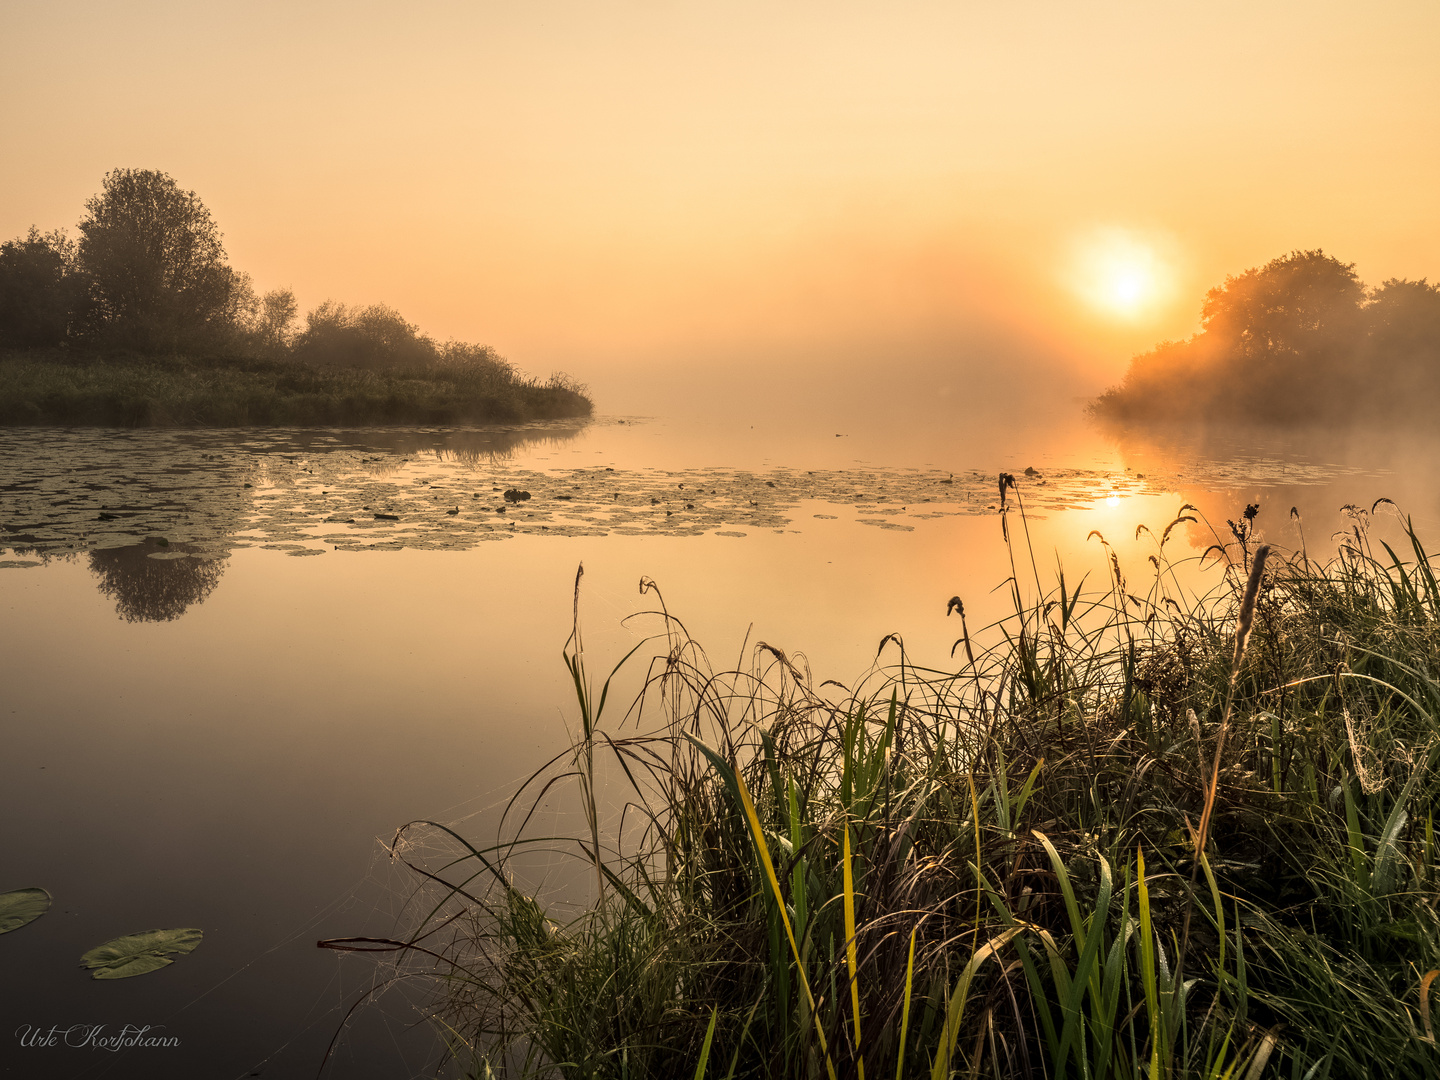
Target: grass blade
{"points": [[849, 885], [705, 1048], [905, 1009], [955, 1010]]}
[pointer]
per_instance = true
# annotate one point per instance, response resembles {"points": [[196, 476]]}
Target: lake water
{"points": [[233, 661]]}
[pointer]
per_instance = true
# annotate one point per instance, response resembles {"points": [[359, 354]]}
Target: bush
{"points": [[369, 338]]}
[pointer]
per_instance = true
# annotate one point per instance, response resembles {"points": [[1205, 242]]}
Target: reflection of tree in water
{"points": [[154, 590], [493, 444]]}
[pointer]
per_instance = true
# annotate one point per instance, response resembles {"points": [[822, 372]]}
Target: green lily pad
{"points": [[138, 954], [22, 906]]}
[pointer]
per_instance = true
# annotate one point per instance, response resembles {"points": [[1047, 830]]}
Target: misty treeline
{"points": [[147, 275], [1298, 338]]}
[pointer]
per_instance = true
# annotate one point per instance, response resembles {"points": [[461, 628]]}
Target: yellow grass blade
{"points": [[1425, 1005], [1262, 1055], [763, 850], [850, 950]]}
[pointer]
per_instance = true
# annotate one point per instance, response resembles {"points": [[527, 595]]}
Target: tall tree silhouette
{"points": [[156, 268]]}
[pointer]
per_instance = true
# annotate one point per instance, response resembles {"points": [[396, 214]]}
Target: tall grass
{"points": [[1146, 832]]}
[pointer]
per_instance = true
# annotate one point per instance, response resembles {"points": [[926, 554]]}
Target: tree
{"points": [[38, 289], [1404, 322], [1304, 303], [156, 269], [1404, 317], [277, 311]]}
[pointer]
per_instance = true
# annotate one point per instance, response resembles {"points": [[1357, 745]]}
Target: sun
{"points": [[1120, 273]]}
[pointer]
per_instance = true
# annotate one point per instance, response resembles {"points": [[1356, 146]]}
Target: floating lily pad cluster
{"points": [[119, 958], [205, 493]]}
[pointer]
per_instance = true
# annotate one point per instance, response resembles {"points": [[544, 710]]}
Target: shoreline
{"points": [[55, 388]]}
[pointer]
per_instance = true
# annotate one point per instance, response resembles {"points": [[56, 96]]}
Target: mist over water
{"points": [[958, 401]]}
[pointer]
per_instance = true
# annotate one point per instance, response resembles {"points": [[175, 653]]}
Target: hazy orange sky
{"points": [[603, 187]]}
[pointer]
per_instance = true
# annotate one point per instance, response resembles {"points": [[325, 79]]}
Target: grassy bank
{"points": [[1147, 833], [58, 387]]}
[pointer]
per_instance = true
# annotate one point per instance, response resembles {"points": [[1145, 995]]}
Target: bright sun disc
{"points": [[1119, 273]]}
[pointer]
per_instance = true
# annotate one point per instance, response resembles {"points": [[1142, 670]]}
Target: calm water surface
{"points": [[232, 660]]}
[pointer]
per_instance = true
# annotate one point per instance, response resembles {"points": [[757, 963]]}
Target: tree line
{"points": [[147, 274], [1301, 337]]}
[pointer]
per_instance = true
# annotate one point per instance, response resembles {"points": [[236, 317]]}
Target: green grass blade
{"points": [[1147, 968], [1387, 851], [705, 1048], [955, 1010]]}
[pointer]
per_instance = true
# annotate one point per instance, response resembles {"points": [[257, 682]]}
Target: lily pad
{"points": [[22, 906], [138, 954]]}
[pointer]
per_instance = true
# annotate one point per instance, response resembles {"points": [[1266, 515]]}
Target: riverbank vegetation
{"points": [[1147, 832], [1299, 339], [141, 321], [63, 387]]}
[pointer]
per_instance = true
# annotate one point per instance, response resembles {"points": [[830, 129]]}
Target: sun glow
{"points": [[1120, 273]]}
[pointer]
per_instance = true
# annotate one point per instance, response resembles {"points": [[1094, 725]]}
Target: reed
{"points": [[1146, 832]]}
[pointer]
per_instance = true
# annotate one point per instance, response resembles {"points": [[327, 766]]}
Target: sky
{"points": [[631, 191]]}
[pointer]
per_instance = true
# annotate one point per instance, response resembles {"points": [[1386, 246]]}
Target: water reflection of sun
{"points": [[1118, 516]]}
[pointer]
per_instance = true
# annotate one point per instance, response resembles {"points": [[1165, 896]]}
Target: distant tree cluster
{"points": [[148, 275], [1299, 338], [377, 337]]}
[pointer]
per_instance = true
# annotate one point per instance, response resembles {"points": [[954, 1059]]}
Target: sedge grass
{"points": [[1148, 832]]}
